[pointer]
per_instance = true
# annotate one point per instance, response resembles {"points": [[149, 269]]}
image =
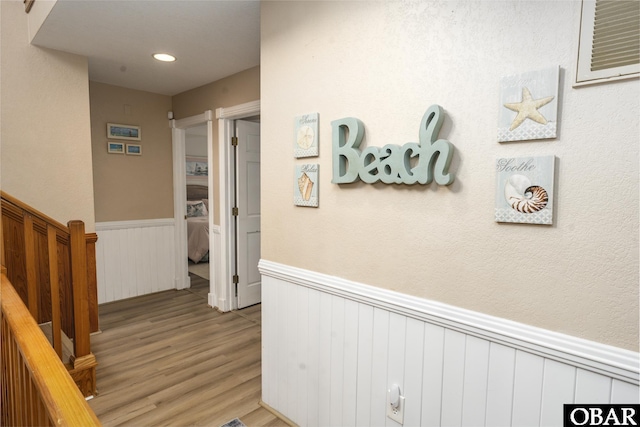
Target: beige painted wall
{"points": [[233, 90], [45, 124], [131, 187], [385, 63]]}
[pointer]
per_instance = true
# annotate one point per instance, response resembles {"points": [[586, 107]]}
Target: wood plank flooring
{"points": [[168, 359]]}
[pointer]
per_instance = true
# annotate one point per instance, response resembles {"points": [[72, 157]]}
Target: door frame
{"points": [[178, 132], [225, 291]]}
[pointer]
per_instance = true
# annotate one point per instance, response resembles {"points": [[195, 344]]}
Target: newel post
{"points": [[78, 249], [84, 362]]}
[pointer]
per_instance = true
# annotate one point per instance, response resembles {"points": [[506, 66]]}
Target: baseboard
{"points": [[222, 305], [600, 358], [277, 414]]}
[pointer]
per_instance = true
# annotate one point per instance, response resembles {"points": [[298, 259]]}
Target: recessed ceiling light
{"points": [[164, 57]]}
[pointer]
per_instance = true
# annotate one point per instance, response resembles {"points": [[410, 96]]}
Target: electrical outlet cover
{"points": [[396, 415]]}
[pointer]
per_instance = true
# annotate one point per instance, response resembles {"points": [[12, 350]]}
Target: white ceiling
{"points": [[211, 39]]}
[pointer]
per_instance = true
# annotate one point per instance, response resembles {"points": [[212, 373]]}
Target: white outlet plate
{"points": [[398, 414]]}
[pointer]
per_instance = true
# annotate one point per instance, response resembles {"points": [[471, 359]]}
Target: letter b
{"points": [[345, 152]]}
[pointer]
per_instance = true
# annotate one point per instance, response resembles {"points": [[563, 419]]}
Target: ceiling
{"points": [[211, 39]]}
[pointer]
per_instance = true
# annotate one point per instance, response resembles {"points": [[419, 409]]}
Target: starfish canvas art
{"points": [[524, 116], [528, 109]]}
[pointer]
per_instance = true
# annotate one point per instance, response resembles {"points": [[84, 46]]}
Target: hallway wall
{"points": [[385, 63], [45, 126], [418, 285], [131, 187]]}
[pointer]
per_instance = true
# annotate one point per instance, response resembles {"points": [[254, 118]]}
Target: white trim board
{"points": [[589, 355], [224, 289], [140, 223], [239, 111]]}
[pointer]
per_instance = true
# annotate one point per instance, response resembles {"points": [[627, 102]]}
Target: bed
{"points": [[198, 223]]}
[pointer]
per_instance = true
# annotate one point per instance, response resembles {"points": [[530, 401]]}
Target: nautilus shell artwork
{"points": [[525, 190], [523, 196]]}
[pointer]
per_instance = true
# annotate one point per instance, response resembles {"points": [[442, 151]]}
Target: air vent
{"points": [[609, 40]]}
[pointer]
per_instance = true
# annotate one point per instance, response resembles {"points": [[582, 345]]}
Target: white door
{"points": [[248, 219]]}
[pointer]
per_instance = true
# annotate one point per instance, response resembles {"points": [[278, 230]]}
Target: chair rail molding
{"points": [[607, 360]]}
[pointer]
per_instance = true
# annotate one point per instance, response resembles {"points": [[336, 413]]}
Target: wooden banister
{"points": [[36, 213], [52, 267], [36, 387]]}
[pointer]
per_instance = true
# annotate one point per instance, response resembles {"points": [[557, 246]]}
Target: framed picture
{"points": [[197, 166], [115, 147], [116, 131], [197, 170], [305, 185], [524, 189], [529, 106], [306, 136], [134, 149]]}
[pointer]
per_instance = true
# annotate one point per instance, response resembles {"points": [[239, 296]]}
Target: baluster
{"points": [[30, 262], [55, 289]]}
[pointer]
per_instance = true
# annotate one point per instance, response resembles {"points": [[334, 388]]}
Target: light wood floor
{"points": [[168, 359]]}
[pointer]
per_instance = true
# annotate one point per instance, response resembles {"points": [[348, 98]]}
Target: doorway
{"points": [[180, 129], [230, 257], [198, 224]]}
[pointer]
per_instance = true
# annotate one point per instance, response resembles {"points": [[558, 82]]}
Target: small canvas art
{"points": [[197, 170], [305, 185], [115, 147], [306, 136], [524, 189], [197, 166], [134, 149], [529, 106], [116, 131]]}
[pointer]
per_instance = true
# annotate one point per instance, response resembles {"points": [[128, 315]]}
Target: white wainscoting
{"points": [[332, 348], [134, 258], [214, 257]]}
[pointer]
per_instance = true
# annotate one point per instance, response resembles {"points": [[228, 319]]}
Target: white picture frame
{"points": [[115, 147], [128, 132], [134, 150]]}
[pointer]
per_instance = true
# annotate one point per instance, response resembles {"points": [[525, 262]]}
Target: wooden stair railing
{"points": [[35, 387], [37, 249]]}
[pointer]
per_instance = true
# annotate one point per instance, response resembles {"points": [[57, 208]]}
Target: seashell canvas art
{"points": [[524, 189], [306, 136], [305, 185]]}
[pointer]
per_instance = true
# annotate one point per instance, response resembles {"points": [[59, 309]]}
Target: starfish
{"points": [[528, 109]]}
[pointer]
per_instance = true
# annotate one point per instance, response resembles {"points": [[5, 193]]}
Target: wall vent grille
{"points": [[609, 41]]}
